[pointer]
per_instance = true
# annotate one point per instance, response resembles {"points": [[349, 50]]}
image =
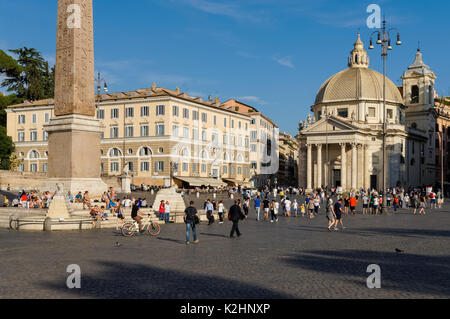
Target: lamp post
{"points": [[100, 81], [384, 40]]}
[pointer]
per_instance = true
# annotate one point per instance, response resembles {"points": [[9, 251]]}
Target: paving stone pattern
{"points": [[294, 258]]}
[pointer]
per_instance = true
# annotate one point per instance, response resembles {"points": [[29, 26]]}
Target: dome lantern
{"points": [[358, 56]]}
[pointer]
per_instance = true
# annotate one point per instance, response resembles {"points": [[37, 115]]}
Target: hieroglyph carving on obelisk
{"points": [[74, 74]]}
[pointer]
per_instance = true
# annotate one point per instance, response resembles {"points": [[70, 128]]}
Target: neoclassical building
{"points": [[342, 143], [160, 136]]}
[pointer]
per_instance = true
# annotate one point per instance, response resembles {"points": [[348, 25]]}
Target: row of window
{"points": [[33, 136], [161, 111], [34, 167], [34, 118], [159, 167], [160, 131]]}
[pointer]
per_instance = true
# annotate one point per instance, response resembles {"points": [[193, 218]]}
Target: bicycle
{"points": [[130, 229]]}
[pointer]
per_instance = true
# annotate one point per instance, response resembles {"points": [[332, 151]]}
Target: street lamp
{"points": [[100, 81], [384, 40]]}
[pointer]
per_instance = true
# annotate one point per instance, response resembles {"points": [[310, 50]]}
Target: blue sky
{"points": [[272, 54]]}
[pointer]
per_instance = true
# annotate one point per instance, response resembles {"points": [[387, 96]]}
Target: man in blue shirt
{"points": [[209, 207], [257, 207]]}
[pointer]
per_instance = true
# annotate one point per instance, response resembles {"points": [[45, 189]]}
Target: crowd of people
{"points": [[268, 203]]}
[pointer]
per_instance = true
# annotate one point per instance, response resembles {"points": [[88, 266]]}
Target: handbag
{"points": [[196, 220]]}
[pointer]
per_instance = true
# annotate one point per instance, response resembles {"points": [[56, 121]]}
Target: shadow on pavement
{"points": [[407, 232], [130, 281], [399, 271]]}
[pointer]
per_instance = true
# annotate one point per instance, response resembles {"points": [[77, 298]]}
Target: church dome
{"points": [[358, 82]]}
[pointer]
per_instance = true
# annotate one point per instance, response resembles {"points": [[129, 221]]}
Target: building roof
{"points": [[418, 67], [246, 109], [139, 94]]}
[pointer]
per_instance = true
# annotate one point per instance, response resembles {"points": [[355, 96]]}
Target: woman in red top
{"points": [[162, 210]]}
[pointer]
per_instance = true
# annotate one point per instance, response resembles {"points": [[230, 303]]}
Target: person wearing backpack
{"points": [[190, 219]]}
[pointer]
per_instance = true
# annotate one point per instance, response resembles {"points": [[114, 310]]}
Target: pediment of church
{"points": [[332, 124]]}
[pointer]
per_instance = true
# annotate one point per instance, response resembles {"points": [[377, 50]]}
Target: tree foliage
{"points": [[29, 76], [6, 148], [26, 77]]}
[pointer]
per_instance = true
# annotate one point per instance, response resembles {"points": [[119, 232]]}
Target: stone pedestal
{"points": [[176, 201], [126, 184], [74, 155]]}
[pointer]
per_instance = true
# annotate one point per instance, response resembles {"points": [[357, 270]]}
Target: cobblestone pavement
{"points": [[294, 258]]}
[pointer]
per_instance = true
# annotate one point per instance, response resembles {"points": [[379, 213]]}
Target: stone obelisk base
{"points": [[74, 155]]}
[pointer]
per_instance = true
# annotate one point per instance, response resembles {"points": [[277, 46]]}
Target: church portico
{"points": [[346, 166]]}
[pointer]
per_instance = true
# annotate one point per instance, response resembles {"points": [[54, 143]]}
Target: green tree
{"points": [[6, 148], [5, 101], [29, 77]]}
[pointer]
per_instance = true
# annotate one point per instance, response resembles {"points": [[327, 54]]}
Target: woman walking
{"points": [[331, 216], [422, 205]]}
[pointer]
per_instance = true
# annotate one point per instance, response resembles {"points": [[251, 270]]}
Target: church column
{"points": [[343, 166], [366, 167], [309, 167], [319, 165], [354, 165]]}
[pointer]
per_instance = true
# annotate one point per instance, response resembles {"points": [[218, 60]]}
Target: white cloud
{"points": [[285, 61], [228, 9]]}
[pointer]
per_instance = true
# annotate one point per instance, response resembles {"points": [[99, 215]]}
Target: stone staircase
{"points": [[34, 219]]}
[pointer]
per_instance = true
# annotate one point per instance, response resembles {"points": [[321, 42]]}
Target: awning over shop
{"points": [[199, 181]]}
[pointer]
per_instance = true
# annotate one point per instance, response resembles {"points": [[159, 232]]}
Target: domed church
{"points": [[341, 144]]}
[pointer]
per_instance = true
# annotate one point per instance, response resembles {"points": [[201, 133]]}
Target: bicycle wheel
{"points": [[154, 229], [128, 230]]}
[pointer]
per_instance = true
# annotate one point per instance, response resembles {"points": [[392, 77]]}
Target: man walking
{"points": [[189, 218], [338, 213], [235, 215], [209, 207], [258, 207]]}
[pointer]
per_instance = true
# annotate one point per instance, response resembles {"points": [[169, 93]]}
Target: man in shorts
{"points": [[353, 202], [338, 211], [266, 206], [365, 200], [135, 215]]}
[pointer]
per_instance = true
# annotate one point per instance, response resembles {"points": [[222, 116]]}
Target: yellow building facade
{"points": [[159, 136]]}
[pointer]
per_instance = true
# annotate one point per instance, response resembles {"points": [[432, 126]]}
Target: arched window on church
{"points": [[414, 94]]}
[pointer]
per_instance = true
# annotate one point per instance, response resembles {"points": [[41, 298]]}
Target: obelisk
{"points": [[74, 132]]}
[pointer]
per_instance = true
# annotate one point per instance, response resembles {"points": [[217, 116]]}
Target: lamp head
{"points": [[379, 38], [398, 39]]}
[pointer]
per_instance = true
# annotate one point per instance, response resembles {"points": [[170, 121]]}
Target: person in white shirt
{"points": [[220, 211], [376, 202], [365, 200], [295, 208], [287, 205], [167, 212]]}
